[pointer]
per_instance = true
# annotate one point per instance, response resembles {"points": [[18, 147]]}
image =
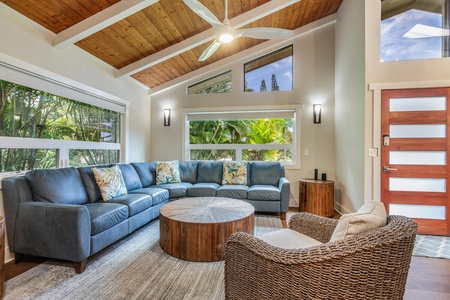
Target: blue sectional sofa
{"points": [[59, 213]]}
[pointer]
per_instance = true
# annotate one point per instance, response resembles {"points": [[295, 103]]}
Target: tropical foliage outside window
{"points": [[253, 139], [414, 29], [28, 113], [271, 72], [217, 84]]}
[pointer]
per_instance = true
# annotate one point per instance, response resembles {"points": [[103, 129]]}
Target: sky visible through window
{"points": [[396, 47], [282, 70]]}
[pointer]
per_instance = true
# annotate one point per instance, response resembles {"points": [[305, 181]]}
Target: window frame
{"points": [[297, 108]]}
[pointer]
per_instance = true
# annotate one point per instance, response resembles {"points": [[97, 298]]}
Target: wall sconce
{"points": [[317, 110], [18, 120], [166, 117]]}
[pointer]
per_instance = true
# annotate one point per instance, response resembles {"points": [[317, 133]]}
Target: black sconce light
{"points": [[317, 110], [166, 117], [18, 120]]}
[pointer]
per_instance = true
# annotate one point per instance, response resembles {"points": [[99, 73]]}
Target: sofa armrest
{"points": [[285, 190], [317, 227], [61, 231]]}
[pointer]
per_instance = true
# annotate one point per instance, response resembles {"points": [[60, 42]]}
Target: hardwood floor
{"points": [[428, 278]]}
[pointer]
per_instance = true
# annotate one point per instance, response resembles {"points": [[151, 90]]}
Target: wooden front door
{"points": [[414, 156]]}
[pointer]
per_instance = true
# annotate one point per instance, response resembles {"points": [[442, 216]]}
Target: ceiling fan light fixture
{"points": [[225, 38]]}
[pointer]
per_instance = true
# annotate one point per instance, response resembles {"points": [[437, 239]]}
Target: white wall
{"points": [[313, 83], [350, 106]]}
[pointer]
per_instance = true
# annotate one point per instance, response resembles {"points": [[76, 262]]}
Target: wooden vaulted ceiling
{"points": [[159, 26]]}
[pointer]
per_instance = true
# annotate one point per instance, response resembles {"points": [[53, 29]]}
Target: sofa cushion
{"points": [[234, 173], [207, 189], [176, 190], [146, 172], [88, 178], [110, 182], [158, 195], [105, 215], [167, 172], [57, 186], [370, 216], [232, 191], [188, 171], [265, 173], [136, 202], [263, 192], [209, 171], [289, 239], [130, 176]]}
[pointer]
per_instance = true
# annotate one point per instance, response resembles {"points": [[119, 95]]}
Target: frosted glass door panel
{"points": [[417, 157], [417, 184], [418, 104], [418, 211], [418, 131]]}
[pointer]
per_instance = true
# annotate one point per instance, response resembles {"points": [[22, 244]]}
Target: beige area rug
{"points": [[133, 268]]}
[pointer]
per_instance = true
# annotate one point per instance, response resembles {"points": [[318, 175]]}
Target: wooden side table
{"points": [[316, 197]]}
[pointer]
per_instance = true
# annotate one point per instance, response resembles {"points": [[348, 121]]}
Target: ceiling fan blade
{"points": [[210, 50], [424, 31], [266, 33], [203, 12]]}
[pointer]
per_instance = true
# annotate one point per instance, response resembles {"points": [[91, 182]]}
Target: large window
{"points": [[258, 135], [43, 130], [271, 72], [414, 29]]}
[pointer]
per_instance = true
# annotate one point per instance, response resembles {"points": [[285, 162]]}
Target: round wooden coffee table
{"points": [[197, 229]]}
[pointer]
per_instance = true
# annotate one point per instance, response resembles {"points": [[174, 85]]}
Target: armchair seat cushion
{"points": [[232, 191], [136, 202], [176, 190], [289, 239], [263, 192], [206, 189], [106, 215], [158, 195]]}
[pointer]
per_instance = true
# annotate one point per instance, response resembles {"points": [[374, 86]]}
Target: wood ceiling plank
{"points": [[132, 39], [189, 59], [183, 64], [158, 15], [79, 9], [185, 20], [29, 10], [60, 11], [334, 7], [91, 45], [144, 25], [235, 8]]}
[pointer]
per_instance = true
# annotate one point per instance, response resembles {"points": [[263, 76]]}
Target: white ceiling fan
{"points": [[225, 33], [425, 31]]}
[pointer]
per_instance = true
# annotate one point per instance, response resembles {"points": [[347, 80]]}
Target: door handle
{"points": [[387, 169]]}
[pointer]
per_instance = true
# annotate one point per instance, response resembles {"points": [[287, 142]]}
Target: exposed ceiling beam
{"points": [[203, 37], [99, 21]]}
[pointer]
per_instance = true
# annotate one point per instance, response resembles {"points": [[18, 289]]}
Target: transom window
{"points": [[256, 135], [271, 72], [220, 83]]}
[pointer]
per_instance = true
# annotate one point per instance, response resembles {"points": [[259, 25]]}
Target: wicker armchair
{"points": [[371, 265]]}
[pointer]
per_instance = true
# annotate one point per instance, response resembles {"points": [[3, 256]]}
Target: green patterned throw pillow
{"points": [[110, 182], [234, 173], [167, 172]]}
